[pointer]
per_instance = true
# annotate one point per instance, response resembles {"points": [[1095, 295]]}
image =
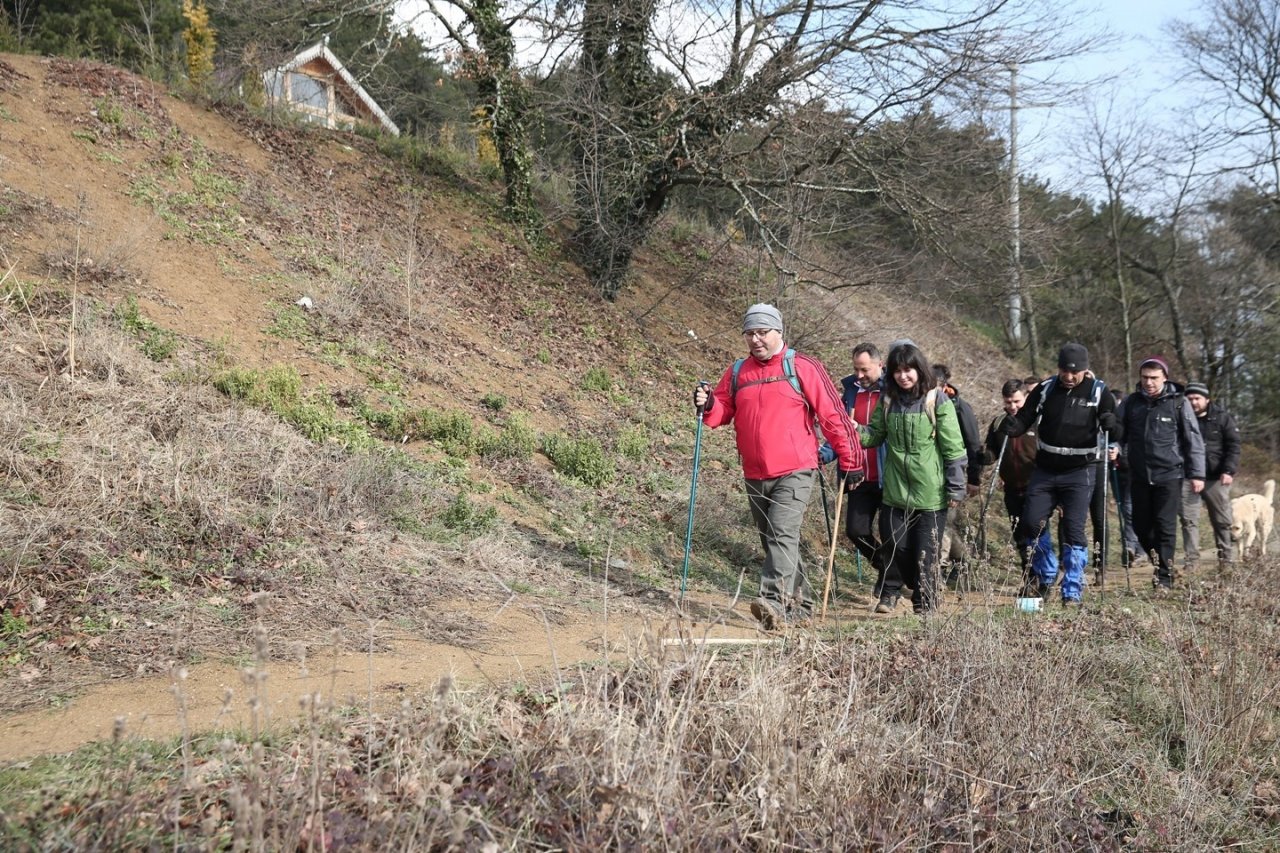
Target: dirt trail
{"points": [[219, 695]]}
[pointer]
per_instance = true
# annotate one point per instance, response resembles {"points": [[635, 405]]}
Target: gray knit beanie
{"points": [[762, 316]]}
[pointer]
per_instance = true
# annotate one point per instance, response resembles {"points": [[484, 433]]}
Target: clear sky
{"points": [[1143, 68]]}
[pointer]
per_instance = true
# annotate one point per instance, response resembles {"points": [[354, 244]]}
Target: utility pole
{"points": [[1021, 311], [1014, 301]]}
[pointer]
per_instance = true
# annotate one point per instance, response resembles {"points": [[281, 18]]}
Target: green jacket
{"points": [[924, 462]]}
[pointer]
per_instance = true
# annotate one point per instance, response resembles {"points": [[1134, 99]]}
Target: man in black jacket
{"points": [[1161, 443], [1221, 459], [962, 538], [1072, 408]]}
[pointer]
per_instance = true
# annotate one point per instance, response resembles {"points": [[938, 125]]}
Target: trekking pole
{"points": [[693, 497], [1115, 490], [826, 510], [831, 557], [826, 501], [986, 501], [1102, 549]]}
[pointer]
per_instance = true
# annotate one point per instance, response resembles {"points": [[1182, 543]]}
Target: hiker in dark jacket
{"points": [[962, 537], [1017, 458], [862, 390], [969, 429], [1072, 409], [1162, 446], [1124, 501], [1221, 459]]}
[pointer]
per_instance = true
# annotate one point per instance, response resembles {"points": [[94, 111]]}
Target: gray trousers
{"points": [[1217, 498], [777, 508]]}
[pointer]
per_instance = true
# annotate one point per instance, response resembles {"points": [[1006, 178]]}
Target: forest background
{"points": [[883, 160]]}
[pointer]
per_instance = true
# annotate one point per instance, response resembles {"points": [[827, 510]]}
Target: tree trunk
{"points": [[508, 106]]}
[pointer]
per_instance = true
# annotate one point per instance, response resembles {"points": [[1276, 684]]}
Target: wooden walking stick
{"points": [[831, 557]]}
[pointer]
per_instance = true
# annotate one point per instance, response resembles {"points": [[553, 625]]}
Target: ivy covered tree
{"points": [[488, 51]]}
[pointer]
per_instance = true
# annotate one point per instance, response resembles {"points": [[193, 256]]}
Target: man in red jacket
{"points": [[772, 398]]}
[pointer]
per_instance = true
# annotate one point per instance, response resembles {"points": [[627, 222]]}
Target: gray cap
{"points": [[762, 316], [1197, 388]]}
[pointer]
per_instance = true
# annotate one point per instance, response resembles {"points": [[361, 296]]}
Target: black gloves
{"points": [[1107, 420], [708, 400], [852, 479]]}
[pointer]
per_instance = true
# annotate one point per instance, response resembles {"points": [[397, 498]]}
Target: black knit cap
{"points": [[1073, 357]]}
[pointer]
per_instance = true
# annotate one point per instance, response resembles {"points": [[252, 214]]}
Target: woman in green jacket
{"points": [[923, 474]]}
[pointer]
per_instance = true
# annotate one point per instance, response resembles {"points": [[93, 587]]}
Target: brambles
{"points": [[464, 516], [597, 379], [278, 389]]}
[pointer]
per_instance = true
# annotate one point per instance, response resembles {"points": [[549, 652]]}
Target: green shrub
{"points": [[633, 442], [453, 431], [289, 323], [278, 389], [493, 402], [597, 379], [517, 440], [238, 383], [157, 343], [582, 459], [466, 517]]}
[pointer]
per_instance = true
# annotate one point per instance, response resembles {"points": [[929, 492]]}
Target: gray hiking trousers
{"points": [[777, 507], [1217, 499]]}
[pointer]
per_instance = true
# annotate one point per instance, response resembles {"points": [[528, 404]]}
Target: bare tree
{"points": [[485, 39], [1238, 53], [21, 14], [724, 94], [1124, 154]]}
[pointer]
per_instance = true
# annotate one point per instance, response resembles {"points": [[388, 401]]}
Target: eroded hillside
{"points": [[455, 420]]}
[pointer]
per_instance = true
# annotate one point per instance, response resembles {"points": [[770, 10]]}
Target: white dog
{"points": [[1253, 516]]}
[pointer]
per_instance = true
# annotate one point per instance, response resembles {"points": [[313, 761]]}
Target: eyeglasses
{"points": [[757, 333]]}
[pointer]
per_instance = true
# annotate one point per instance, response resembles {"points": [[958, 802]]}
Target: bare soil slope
{"points": [[152, 247]]}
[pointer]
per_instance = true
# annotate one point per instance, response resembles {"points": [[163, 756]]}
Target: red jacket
{"points": [[774, 424]]}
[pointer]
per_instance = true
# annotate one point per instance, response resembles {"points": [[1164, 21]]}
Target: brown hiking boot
{"points": [[887, 604], [768, 617]]}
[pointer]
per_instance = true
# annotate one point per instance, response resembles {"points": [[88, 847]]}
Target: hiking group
{"points": [[908, 451]]}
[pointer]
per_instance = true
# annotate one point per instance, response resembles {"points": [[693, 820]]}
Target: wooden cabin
{"points": [[316, 85]]}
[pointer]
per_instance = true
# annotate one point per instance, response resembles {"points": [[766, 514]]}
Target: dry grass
{"points": [[146, 520], [155, 523], [1139, 725]]}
